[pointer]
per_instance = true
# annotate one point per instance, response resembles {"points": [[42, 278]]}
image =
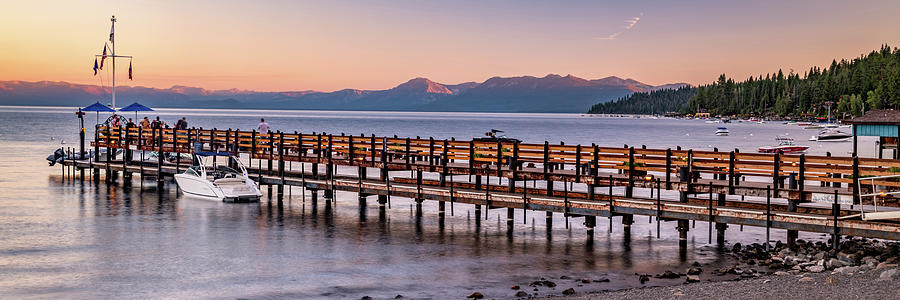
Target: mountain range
{"points": [[552, 93]]}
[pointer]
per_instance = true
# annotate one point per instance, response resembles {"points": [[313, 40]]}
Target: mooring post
{"points": [[629, 189], [161, 157], [768, 214], [836, 213], [96, 171], [281, 162]]}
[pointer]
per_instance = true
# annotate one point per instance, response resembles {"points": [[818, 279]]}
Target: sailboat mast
{"points": [[112, 40]]}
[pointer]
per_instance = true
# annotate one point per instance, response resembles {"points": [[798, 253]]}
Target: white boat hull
{"points": [[228, 189]]}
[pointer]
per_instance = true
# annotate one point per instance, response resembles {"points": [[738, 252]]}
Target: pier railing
{"points": [[676, 168]]}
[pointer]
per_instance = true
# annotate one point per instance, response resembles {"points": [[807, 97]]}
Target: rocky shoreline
{"points": [[807, 262]]}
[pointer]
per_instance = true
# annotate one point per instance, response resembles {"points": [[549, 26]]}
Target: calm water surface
{"points": [[79, 240]]}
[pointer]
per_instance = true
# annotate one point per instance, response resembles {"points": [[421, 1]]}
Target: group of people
{"points": [[146, 123], [181, 124]]}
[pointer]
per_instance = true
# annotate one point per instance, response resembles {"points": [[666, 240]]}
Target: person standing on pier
{"points": [[263, 127], [181, 124], [145, 124]]}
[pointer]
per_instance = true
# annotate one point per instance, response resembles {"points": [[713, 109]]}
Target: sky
{"points": [[331, 45]]}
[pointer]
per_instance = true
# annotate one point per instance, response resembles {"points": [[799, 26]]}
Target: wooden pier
{"points": [[586, 181]]}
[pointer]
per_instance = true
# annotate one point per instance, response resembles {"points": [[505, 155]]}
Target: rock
{"points": [[819, 256], [668, 275], [515, 287], [564, 277], [569, 291], [549, 283], [398, 296], [692, 279], [815, 269], [475, 295], [833, 263], [806, 279], [892, 274], [695, 264], [781, 273], [736, 248], [366, 298], [644, 278], [830, 280], [694, 271], [767, 281], [679, 293], [846, 270], [601, 280], [585, 280], [884, 265], [521, 294], [776, 265]]}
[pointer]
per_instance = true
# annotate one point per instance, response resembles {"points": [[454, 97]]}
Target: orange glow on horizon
{"points": [[326, 46]]}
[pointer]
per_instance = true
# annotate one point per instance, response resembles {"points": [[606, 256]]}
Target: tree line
{"points": [[850, 87], [653, 102]]}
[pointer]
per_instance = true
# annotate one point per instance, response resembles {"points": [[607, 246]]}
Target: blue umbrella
{"points": [[136, 107], [98, 107]]}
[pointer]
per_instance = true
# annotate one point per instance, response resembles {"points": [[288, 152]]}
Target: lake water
{"points": [[79, 240]]}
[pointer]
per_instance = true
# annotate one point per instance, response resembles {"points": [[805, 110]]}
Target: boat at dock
{"points": [[831, 135], [785, 145], [218, 175], [721, 131]]}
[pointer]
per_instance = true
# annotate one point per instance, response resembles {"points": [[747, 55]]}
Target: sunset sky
{"points": [[331, 45]]}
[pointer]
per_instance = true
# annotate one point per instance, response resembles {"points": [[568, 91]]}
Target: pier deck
{"points": [[575, 180]]}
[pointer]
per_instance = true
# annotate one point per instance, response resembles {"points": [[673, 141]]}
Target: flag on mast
{"points": [[111, 29], [129, 71], [95, 66], [103, 57]]}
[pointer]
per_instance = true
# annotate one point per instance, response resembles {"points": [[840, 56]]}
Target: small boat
{"points": [[814, 126], [785, 145], [721, 131], [713, 121], [492, 136], [218, 175], [804, 124], [831, 135]]}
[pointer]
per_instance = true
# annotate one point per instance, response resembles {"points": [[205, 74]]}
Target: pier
{"points": [[725, 188]]}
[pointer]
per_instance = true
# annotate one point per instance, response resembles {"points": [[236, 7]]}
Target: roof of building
{"points": [[883, 117]]}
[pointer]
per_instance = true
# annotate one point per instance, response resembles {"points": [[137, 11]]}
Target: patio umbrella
{"points": [[136, 107], [98, 107]]}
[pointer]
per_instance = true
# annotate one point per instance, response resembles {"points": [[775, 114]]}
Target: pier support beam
{"points": [[627, 220], [590, 222], [792, 234], [510, 215], [682, 228], [721, 227]]}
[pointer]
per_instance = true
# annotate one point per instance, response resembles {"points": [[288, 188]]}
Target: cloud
{"points": [[628, 25]]}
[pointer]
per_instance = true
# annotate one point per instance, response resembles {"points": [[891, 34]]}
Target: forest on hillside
{"points": [[871, 81], [653, 102]]}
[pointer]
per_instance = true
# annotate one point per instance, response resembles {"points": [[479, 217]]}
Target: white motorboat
{"points": [[831, 135], [722, 131], [218, 175]]}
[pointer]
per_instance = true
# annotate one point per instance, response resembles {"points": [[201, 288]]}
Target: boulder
{"points": [[475, 295], [668, 275], [815, 269], [521, 294], [692, 279], [569, 291], [694, 271]]}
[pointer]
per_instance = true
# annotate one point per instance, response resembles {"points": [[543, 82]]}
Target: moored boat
{"points": [[218, 175], [831, 135], [722, 131], [785, 145]]}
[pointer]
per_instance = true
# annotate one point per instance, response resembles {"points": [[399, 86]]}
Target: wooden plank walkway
{"points": [[706, 182]]}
